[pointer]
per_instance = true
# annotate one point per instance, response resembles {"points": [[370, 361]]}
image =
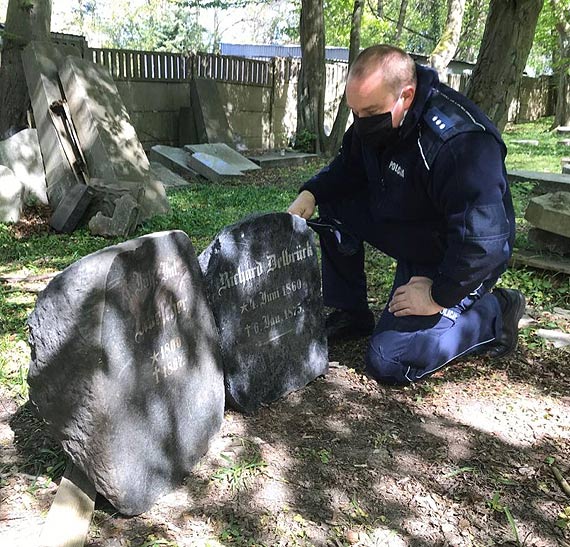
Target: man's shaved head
{"points": [[395, 65]]}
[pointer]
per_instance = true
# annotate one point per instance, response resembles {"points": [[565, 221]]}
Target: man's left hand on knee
{"points": [[414, 298]]}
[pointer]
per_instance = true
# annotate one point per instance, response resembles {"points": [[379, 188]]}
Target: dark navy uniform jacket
{"points": [[439, 195]]}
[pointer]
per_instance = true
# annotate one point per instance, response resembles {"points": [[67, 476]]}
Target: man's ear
{"points": [[408, 94]]}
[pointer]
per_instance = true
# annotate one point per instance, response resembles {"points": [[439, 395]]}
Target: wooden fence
{"points": [[175, 67]]}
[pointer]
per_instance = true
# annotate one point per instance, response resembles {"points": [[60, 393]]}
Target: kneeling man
{"points": [[421, 177]]}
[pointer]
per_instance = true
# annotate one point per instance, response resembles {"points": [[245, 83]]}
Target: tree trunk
{"points": [[447, 45], [470, 39], [341, 119], [508, 37], [400, 23], [562, 68], [26, 20], [311, 85]]}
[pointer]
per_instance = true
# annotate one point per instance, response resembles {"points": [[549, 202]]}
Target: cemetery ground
{"points": [[476, 455]]}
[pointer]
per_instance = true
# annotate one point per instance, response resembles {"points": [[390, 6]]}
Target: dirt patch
{"points": [[346, 461]]}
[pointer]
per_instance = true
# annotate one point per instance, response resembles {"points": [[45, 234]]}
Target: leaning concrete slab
{"points": [[282, 159], [174, 159], [166, 176], [212, 168], [224, 152], [112, 149], [547, 182], [550, 212], [40, 60], [209, 115], [22, 154]]}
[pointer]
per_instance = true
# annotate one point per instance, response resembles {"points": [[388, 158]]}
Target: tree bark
{"points": [[311, 85], [562, 68], [508, 37], [447, 45], [26, 20], [341, 119], [401, 19]]}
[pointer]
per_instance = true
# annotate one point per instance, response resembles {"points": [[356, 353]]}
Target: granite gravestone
{"points": [[264, 284], [126, 366]]}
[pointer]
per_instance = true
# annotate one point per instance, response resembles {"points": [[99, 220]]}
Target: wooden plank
{"points": [[67, 522], [548, 262]]}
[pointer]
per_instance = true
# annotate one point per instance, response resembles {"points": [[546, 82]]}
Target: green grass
{"points": [[544, 157], [204, 209]]}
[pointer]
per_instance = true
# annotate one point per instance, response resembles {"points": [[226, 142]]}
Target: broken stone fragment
{"points": [[121, 224]]}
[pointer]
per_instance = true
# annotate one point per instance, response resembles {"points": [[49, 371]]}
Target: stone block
{"points": [[40, 61], [225, 153], [121, 224], [284, 158], [209, 114], [110, 144], [550, 212], [175, 159], [211, 167], [547, 241], [187, 132], [547, 182], [108, 139], [166, 177], [71, 208], [21, 153], [264, 285], [126, 367], [11, 196]]}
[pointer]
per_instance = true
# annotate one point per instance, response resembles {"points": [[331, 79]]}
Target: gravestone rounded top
{"points": [[263, 280]]}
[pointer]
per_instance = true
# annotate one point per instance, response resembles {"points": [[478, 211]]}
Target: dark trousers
{"points": [[403, 349]]}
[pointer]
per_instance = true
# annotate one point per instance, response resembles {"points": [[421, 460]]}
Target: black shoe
{"points": [[512, 304], [349, 324]]}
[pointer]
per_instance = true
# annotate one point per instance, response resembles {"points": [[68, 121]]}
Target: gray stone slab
{"points": [[563, 130], [209, 114], [547, 241], [212, 168], [282, 159], [264, 285], [566, 169], [187, 133], [126, 367], [108, 139], [22, 154], [224, 152], [547, 182], [550, 212], [11, 196], [173, 158], [564, 142], [71, 208], [40, 60], [168, 178], [121, 224], [548, 262]]}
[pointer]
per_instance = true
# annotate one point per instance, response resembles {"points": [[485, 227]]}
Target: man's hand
{"points": [[304, 205], [414, 298]]}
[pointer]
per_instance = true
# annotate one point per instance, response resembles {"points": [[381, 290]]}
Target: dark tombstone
{"points": [[126, 367], [71, 208], [264, 284]]}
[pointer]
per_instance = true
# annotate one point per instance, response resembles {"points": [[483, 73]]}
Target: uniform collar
{"points": [[427, 82]]}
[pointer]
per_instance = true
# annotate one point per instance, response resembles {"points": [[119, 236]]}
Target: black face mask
{"points": [[376, 131]]}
